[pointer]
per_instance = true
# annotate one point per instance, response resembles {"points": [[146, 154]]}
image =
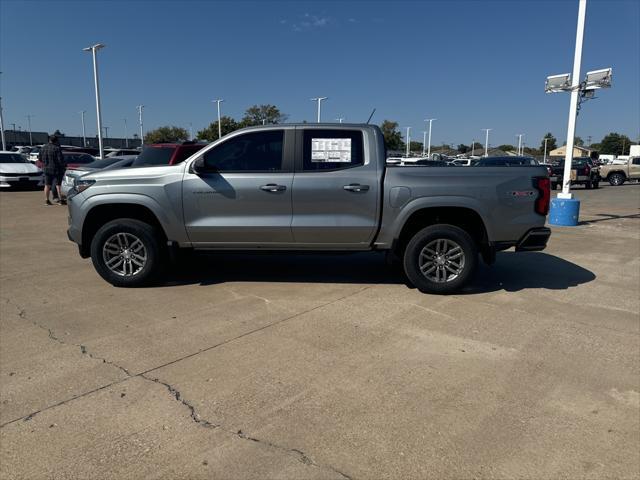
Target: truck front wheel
{"points": [[440, 259], [127, 253], [616, 179]]}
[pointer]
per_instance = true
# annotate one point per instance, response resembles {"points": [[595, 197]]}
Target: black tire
{"points": [[146, 234], [413, 254], [588, 184], [596, 183], [616, 179]]}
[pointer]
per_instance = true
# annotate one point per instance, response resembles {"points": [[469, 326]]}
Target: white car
{"points": [[34, 154], [15, 170]]}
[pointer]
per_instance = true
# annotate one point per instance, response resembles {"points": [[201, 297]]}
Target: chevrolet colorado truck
{"points": [[618, 174], [302, 187]]}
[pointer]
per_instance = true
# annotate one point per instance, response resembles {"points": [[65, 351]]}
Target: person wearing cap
{"points": [[54, 167]]}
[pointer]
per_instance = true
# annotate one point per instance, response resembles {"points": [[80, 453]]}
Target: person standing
{"points": [[53, 167]]}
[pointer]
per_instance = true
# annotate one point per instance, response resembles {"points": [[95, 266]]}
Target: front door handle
{"points": [[356, 187], [272, 187]]}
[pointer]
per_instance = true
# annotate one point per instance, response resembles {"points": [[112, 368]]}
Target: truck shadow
{"points": [[511, 272]]}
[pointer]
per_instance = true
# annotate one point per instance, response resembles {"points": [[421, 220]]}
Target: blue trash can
{"points": [[564, 212]]}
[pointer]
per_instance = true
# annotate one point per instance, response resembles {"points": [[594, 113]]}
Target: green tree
{"points": [[578, 142], [166, 134], [475, 147], [552, 143], [257, 114], [210, 133], [506, 147], [415, 147], [615, 144], [392, 137], [462, 148]]}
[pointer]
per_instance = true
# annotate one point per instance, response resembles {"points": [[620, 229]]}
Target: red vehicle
{"points": [[71, 159], [166, 153]]}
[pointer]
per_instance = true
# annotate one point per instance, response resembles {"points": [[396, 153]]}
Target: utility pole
{"points": [[473, 147], [319, 100], [140, 107], [126, 137], [424, 142], [408, 140], [84, 133], [190, 131], [486, 141], [218, 102]]}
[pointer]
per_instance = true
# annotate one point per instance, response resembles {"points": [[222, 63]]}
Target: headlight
{"points": [[80, 185]]}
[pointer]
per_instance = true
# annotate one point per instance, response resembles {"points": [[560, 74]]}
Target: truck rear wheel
{"points": [[616, 179], [127, 253], [440, 259]]}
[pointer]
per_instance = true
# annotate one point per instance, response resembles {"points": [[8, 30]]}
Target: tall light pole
{"points": [[106, 132], [140, 107], [573, 104], [408, 140], [190, 131], [520, 143], [319, 100], [473, 147], [218, 102], [430, 120], [546, 139], [29, 117], [126, 137], [424, 142], [84, 133], [4, 143], [339, 119], [94, 50], [486, 141]]}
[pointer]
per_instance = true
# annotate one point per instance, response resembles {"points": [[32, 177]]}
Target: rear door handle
{"points": [[272, 187], [356, 187]]}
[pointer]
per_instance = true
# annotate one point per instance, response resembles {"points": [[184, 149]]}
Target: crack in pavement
{"points": [[22, 313], [175, 393]]}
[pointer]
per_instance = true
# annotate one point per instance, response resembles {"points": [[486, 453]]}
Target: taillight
{"points": [[543, 185]]}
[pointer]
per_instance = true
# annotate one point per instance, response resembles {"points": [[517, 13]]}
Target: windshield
{"points": [[74, 158], [103, 163], [154, 156], [12, 158]]}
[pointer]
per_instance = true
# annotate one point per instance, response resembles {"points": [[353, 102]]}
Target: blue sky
{"points": [[470, 64]]}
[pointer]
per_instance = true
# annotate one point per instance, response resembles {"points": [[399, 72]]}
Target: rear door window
{"points": [[327, 149]]}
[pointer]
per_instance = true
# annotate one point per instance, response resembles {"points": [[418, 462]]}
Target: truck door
{"points": [[244, 199], [634, 168], [336, 192]]}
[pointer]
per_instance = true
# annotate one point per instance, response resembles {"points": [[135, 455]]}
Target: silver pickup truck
{"points": [[320, 187]]}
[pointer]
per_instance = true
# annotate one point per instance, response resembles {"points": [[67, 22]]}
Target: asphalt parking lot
{"points": [[273, 366]]}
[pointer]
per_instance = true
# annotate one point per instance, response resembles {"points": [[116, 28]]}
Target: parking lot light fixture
{"points": [[408, 141], [546, 139], [520, 135], [94, 50], [4, 144], [140, 108], [424, 142], [218, 102], [319, 100], [29, 117], [486, 141], [430, 120]]}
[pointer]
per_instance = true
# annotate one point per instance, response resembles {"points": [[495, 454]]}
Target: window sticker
{"points": [[325, 150]]}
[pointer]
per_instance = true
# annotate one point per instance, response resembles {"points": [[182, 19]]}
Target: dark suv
{"points": [[166, 153]]}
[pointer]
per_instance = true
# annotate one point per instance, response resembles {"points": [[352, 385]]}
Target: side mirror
{"points": [[199, 166]]}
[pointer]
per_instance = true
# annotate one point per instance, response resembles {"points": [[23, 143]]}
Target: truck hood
{"points": [[18, 168], [133, 174]]}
